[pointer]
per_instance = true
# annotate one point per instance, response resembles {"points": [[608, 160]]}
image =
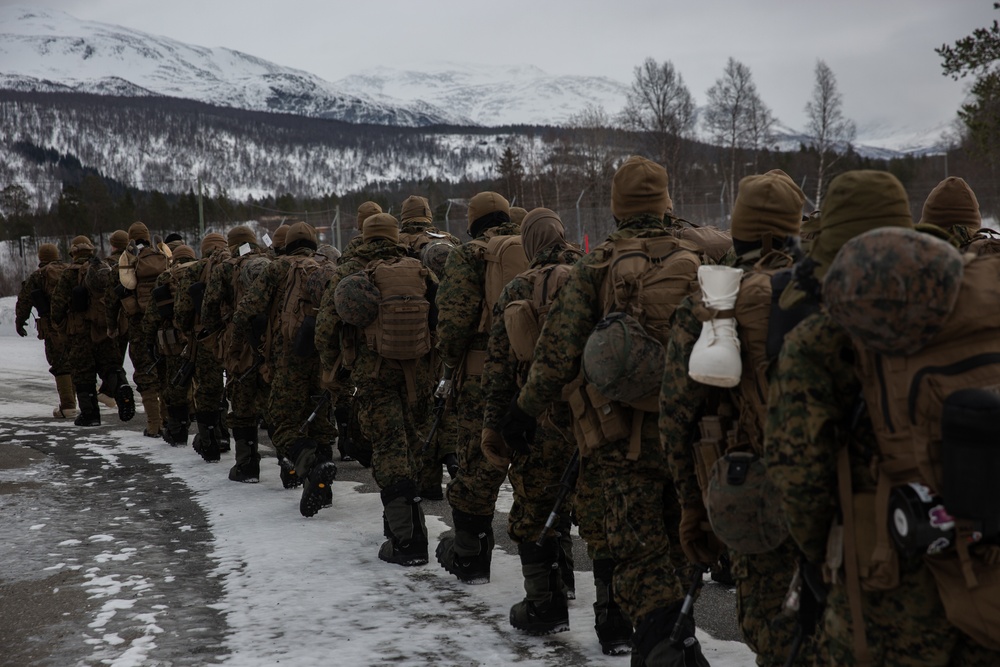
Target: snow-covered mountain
{"points": [[51, 51], [493, 95]]}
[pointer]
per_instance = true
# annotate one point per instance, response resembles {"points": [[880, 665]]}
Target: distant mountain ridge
{"points": [[51, 51]]}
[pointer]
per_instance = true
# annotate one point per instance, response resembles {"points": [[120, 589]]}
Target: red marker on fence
{"points": [[586, 243]]}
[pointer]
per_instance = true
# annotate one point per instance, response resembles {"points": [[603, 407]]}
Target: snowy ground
{"points": [[293, 590]]}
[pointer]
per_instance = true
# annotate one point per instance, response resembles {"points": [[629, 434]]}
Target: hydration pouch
{"points": [[304, 344], [970, 458], [79, 299], [197, 294], [164, 302]]}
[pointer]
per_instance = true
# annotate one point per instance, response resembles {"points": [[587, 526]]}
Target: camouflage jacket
{"points": [[152, 321], [571, 319], [329, 328], [265, 292], [59, 310], [185, 317], [219, 300], [352, 247], [813, 397], [500, 373], [460, 299], [36, 281]]}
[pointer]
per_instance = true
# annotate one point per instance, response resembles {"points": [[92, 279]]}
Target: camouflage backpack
{"points": [[41, 297], [401, 330], [742, 504], [246, 269], [984, 242], [925, 322], [505, 259], [138, 273], [418, 242]]}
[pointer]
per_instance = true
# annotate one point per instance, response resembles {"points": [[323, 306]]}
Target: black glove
{"points": [[20, 329], [518, 428]]}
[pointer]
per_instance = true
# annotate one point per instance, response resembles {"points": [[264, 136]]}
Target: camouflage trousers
{"points": [[145, 375], [386, 420], [588, 507], [475, 489], [247, 399], [57, 354], [535, 478], [641, 520], [762, 582], [86, 360], [430, 472], [295, 390], [904, 627], [173, 395], [207, 381]]}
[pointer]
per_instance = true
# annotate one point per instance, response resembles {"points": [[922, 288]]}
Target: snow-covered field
{"points": [[306, 591]]}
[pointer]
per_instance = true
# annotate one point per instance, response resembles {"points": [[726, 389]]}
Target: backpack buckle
{"points": [[739, 467]]}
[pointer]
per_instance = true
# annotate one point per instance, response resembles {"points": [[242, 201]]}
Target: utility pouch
{"points": [[197, 294], [130, 304], [969, 586], [43, 328], [164, 302], [170, 344]]}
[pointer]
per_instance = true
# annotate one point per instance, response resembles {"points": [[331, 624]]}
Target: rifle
{"points": [[324, 401], [439, 407], [156, 359], [688, 604], [184, 373], [258, 362], [566, 485], [811, 603]]}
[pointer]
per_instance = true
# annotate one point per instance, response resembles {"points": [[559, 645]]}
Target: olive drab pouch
{"points": [[504, 258], [597, 420], [524, 318], [743, 506]]}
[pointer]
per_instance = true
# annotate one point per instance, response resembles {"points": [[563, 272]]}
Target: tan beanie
{"points": [[380, 226], [239, 235], [485, 203], [770, 202], [138, 232], [640, 186], [182, 253], [300, 231], [952, 202], [517, 214], [856, 202], [541, 229], [365, 211], [213, 241], [119, 239], [48, 252], [81, 245], [279, 236], [417, 209]]}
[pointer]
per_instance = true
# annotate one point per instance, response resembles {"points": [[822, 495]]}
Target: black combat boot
{"points": [[317, 475], [342, 414], [124, 398], [289, 477], [90, 409], [565, 540], [404, 519], [614, 630], [468, 553], [175, 431], [651, 646], [208, 436], [247, 468], [543, 610]]}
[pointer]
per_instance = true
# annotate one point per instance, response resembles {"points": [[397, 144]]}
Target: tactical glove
{"points": [[518, 428], [495, 449], [699, 543], [21, 331]]}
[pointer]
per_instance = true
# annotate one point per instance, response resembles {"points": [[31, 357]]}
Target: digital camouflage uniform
{"points": [[384, 409], [171, 344], [473, 494], [43, 281], [762, 580], [412, 232], [295, 380], [642, 513], [813, 398], [89, 351]]}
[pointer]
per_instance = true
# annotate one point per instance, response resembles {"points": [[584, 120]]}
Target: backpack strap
{"points": [[853, 580]]}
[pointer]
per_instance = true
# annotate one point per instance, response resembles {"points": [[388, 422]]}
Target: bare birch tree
{"points": [[660, 105], [827, 126]]}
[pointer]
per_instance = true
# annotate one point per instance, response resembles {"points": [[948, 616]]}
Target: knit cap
{"points": [[48, 252], [485, 203], [952, 202], [417, 209], [137, 231], [365, 211], [640, 186], [380, 226], [770, 202], [212, 242]]}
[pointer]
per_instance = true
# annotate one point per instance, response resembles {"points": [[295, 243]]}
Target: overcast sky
{"points": [[881, 51]]}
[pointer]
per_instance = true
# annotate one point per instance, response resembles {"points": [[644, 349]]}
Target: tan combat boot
{"points": [[154, 418], [67, 398]]}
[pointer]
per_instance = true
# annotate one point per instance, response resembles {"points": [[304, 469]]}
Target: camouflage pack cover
{"points": [[318, 280], [357, 300], [893, 288], [745, 516], [622, 361], [435, 254]]}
